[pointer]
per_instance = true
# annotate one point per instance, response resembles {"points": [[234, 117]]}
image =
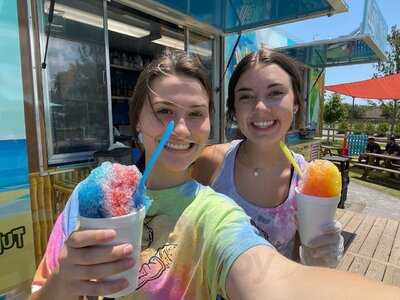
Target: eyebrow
{"points": [[170, 103], [245, 89]]}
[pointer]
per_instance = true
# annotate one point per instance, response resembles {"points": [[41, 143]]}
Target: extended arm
{"points": [[262, 273]]}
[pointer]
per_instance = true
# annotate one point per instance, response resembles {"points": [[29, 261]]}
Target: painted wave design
{"points": [[13, 163]]}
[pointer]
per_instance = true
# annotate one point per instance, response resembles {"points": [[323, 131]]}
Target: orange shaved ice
{"points": [[321, 179]]}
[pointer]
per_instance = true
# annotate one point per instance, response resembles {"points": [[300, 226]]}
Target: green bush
{"points": [[397, 129], [370, 128], [342, 127], [359, 127], [382, 129]]}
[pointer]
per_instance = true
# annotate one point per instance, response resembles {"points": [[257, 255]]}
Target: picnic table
{"points": [[327, 150], [372, 246], [391, 163], [390, 160]]}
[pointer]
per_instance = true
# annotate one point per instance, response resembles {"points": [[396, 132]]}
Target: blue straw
{"points": [[140, 195]]}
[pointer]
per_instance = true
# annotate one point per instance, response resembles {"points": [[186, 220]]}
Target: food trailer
{"points": [[68, 67]]}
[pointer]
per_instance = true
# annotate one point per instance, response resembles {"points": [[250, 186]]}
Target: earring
{"points": [[140, 137]]}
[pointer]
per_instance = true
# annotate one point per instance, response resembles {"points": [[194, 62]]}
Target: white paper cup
{"points": [[129, 230], [312, 213]]}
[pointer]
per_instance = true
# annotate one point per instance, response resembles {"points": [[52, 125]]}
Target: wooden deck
{"points": [[372, 246]]}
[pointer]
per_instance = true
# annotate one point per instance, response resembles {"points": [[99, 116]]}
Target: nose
{"points": [[181, 128], [261, 105]]}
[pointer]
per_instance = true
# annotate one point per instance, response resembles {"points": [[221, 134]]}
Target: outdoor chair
{"points": [[357, 144]]}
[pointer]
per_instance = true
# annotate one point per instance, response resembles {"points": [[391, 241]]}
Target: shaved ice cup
{"points": [[128, 230], [312, 213]]}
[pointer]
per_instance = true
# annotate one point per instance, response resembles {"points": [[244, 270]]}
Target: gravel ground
{"points": [[372, 202]]}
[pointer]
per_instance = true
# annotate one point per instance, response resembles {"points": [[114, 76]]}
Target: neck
{"points": [[162, 179], [264, 157]]}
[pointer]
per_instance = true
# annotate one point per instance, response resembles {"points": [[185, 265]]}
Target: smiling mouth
{"points": [[264, 124], [174, 146]]}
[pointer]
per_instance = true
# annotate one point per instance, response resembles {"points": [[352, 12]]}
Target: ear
{"points": [[295, 108]]}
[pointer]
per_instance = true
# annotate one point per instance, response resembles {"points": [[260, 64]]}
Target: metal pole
{"points": [[351, 117], [394, 116], [108, 72]]}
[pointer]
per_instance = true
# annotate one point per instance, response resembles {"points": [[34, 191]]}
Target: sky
{"points": [[343, 24]]}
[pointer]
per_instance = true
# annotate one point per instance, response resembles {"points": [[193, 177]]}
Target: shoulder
{"points": [[216, 205], [208, 163], [215, 153], [216, 213], [209, 197], [300, 159]]}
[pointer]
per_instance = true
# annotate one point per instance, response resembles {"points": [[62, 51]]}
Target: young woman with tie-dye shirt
{"points": [[197, 244]]}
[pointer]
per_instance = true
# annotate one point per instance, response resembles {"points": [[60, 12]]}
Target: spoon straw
{"points": [[290, 158], [149, 167]]}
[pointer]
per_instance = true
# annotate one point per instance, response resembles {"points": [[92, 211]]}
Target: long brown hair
{"points": [[266, 57], [169, 63]]}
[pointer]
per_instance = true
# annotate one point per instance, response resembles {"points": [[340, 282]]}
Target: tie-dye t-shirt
{"points": [[191, 237]]}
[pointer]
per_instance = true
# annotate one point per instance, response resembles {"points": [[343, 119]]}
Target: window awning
{"points": [[367, 44], [229, 16], [349, 50]]}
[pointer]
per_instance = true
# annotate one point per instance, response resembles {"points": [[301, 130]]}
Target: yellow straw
{"points": [[290, 158]]}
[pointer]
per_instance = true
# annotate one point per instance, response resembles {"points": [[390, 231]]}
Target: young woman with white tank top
{"points": [[264, 95], [278, 223]]}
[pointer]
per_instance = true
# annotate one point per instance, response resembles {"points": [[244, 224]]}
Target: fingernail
{"points": [[128, 250], [108, 234]]}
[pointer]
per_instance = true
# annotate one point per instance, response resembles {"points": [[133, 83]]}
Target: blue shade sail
{"points": [[237, 15]]}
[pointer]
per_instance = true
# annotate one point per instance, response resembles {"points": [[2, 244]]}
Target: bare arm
{"points": [[262, 273], [206, 167], [52, 290]]}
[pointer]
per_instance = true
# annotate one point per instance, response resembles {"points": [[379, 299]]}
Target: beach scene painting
{"points": [[16, 237]]}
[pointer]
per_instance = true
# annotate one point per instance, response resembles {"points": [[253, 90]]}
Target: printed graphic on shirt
{"points": [[157, 264]]}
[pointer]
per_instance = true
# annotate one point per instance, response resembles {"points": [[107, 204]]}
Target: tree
{"points": [[333, 111], [397, 130], [389, 111], [354, 113], [359, 127], [382, 129], [392, 64], [389, 67], [370, 128]]}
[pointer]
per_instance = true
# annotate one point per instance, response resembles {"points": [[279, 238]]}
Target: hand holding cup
{"points": [[86, 260], [317, 197], [325, 250]]}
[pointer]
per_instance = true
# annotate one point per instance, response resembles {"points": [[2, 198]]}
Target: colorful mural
{"points": [[16, 238], [252, 41], [315, 99]]}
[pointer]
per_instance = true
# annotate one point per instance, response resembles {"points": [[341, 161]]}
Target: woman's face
{"points": [[264, 104], [185, 101]]}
